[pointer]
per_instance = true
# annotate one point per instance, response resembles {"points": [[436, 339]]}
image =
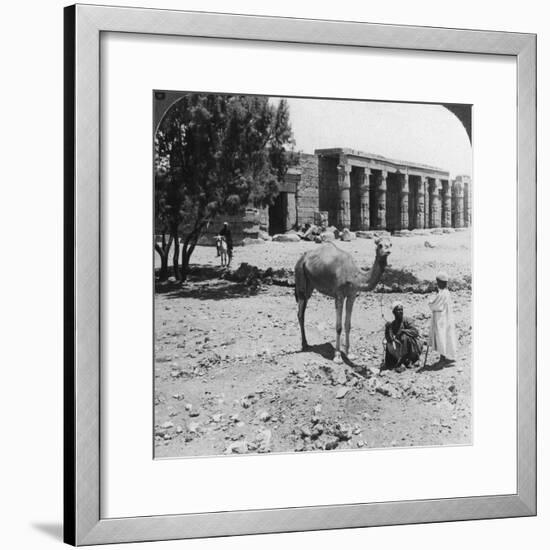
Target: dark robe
{"points": [[226, 232], [410, 345]]}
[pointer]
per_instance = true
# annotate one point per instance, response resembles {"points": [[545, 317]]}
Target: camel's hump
{"points": [[327, 254]]}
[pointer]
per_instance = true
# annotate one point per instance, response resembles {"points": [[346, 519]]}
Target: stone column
{"points": [[435, 204], [458, 206], [403, 201], [467, 204], [381, 189], [364, 197], [447, 204], [427, 201], [343, 215], [420, 197]]}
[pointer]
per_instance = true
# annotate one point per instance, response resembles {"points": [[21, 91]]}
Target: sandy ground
{"points": [[409, 254], [229, 376]]}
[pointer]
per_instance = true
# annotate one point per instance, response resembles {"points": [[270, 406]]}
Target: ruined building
{"points": [[360, 191]]}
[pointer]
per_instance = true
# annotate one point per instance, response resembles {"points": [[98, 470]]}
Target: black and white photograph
{"points": [[275, 275], [312, 274]]}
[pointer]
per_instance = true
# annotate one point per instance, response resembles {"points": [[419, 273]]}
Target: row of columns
{"points": [[431, 201]]}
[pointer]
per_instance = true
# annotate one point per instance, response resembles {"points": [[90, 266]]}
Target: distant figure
{"points": [[226, 233], [442, 329], [221, 249], [402, 341]]}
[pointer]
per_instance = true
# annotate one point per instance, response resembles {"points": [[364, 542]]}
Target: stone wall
{"points": [[328, 187], [242, 226], [312, 187], [307, 189]]}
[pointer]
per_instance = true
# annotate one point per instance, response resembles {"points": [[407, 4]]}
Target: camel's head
{"points": [[383, 250]]}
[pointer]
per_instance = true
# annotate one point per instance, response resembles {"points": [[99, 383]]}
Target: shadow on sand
{"points": [[433, 367], [327, 351], [215, 290]]}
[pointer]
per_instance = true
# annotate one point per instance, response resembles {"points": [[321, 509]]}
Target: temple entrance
{"points": [[282, 213]]}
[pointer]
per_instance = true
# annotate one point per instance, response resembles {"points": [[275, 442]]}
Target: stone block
{"points": [[321, 218], [373, 234], [264, 235], [326, 236], [347, 235], [286, 238]]}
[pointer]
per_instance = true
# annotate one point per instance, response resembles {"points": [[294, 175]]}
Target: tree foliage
{"points": [[216, 154]]}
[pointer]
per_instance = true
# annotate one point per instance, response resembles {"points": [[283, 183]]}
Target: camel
{"points": [[334, 272]]}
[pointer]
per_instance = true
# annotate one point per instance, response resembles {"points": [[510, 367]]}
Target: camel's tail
{"points": [[300, 279]]}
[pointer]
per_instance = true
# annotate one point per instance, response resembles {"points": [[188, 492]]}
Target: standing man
{"points": [[225, 232], [442, 329]]}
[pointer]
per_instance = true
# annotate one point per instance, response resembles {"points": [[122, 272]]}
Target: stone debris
{"points": [[372, 234], [347, 235], [325, 236], [262, 441], [335, 372], [238, 447], [342, 392], [193, 427], [264, 416], [286, 238], [278, 399]]}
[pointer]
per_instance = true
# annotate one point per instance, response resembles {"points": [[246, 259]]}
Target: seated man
{"points": [[403, 343]]}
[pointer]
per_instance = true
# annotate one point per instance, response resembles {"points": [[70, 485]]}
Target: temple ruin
{"points": [[363, 191], [360, 191]]}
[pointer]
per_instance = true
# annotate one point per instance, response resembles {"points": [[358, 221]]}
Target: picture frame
{"points": [[83, 523]]}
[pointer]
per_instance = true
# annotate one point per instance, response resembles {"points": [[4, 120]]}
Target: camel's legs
{"points": [[339, 307], [349, 307], [302, 303]]}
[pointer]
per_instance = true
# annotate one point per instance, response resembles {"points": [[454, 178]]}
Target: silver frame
{"points": [[83, 25]]}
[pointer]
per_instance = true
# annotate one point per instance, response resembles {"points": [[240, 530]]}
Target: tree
{"points": [[215, 154]]}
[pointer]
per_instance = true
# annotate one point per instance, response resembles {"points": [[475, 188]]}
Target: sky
{"points": [[428, 134]]}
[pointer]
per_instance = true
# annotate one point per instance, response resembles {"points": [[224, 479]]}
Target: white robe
{"points": [[442, 329]]}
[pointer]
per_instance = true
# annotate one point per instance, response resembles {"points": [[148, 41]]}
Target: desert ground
{"points": [[230, 376]]}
